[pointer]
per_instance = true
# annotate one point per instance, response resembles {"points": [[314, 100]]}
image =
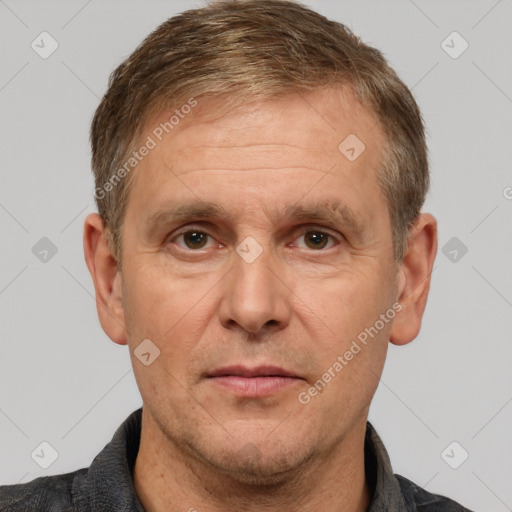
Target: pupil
{"points": [[318, 239], [195, 239]]}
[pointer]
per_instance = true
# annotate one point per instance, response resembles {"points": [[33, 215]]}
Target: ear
{"points": [[414, 279], [107, 279]]}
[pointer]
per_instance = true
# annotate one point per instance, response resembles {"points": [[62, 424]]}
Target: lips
{"points": [[259, 371], [256, 382]]}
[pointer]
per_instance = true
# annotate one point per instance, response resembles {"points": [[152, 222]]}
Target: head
{"points": [[259, 176]]}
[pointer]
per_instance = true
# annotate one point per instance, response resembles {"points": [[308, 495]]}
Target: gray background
{"points": [[63, 381]]}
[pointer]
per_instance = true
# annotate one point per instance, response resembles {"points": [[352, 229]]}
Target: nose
{"points": [[255, 297]]}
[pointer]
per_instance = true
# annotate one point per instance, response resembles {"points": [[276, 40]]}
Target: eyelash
{"points": [[302, 233]]}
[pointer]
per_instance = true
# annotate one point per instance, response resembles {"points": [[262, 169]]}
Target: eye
{"points": [[193, 239], [316, 239]]}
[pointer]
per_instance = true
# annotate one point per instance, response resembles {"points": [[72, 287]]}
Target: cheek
{"points": [[350, 338], [344, 304], [173, 313], [160, 304]]}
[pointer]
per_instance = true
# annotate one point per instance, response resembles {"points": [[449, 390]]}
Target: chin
{"points": [[257, 463]]}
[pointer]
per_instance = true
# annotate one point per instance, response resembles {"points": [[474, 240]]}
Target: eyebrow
{"points": [[186, 211], [330, 211]]}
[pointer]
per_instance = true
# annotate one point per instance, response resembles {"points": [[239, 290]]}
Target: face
{"points": [[255, 256]]}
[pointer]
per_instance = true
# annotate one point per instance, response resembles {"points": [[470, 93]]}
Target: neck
{"points": [[167, 478]]}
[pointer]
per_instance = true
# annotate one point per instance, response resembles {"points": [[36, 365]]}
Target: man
{"points": [[259, 176]]}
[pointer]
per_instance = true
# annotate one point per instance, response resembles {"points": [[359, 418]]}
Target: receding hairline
{"points": [[211, 107]]}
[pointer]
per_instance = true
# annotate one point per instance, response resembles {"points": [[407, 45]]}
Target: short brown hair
{"points": [[259, 49]]}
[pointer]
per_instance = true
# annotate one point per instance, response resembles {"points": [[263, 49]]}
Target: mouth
{"points": [[258, 371], [253, 382]]}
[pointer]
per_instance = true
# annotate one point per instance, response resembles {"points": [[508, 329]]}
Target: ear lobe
{"points": [[105, 274], [414, 279]]}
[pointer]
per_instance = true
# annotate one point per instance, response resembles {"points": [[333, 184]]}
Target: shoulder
{"points": [[52, 493], [420, 500]]}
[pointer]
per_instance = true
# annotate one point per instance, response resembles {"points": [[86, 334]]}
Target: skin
{"points": [[296, 306]]}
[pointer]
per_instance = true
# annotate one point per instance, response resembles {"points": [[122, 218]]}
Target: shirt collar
{"points": [[387, 494], [108, 484]]}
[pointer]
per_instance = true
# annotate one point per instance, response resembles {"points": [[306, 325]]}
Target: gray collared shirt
{"points": [[107, 485]]}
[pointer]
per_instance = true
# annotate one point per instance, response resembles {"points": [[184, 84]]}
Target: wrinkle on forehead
{"points": [[181, 172], [250, 157]]}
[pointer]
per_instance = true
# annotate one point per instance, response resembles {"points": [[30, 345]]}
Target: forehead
{"points": [[280, 146]]}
